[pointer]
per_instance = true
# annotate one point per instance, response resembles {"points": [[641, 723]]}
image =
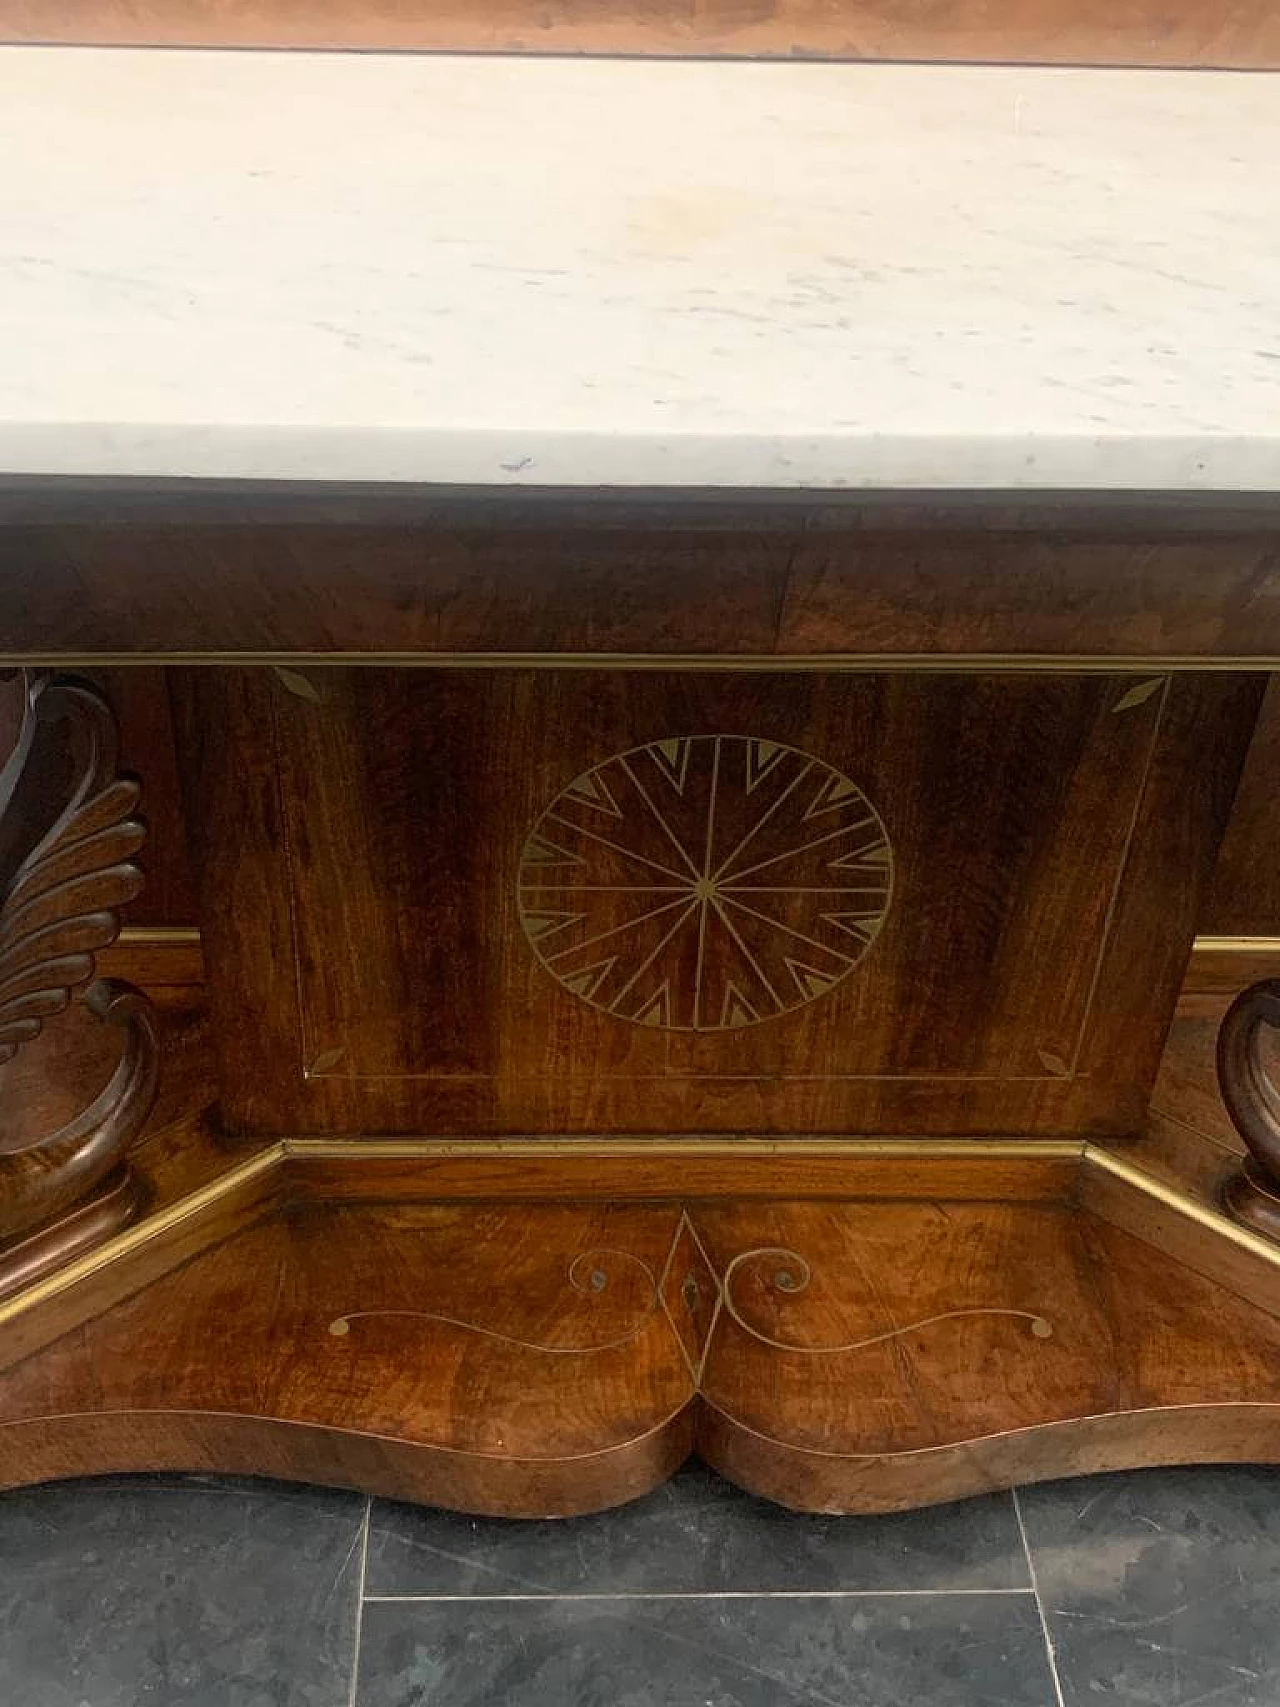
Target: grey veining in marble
{"points": [[190, 1593], [1162, 1587], [696, 1535], [907, 1651]]}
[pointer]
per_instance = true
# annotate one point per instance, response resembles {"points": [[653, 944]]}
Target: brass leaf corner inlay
{"points": [[302, 687], [1139, 694]]}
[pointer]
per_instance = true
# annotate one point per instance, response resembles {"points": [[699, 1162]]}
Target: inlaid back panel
{"points": [[580, 901]]}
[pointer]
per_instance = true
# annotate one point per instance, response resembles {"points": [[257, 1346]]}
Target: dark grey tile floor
{"points": [[1160, 1587]]}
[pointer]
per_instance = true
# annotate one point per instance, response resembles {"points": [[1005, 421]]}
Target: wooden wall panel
{"points": [[140, 700], [1136, 32], [401, 938], [1245, 897]]}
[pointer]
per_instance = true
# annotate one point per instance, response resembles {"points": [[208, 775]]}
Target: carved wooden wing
{"points": [[67, 836]]}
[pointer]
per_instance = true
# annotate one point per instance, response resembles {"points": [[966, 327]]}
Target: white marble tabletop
{"points": [[575, 272]]}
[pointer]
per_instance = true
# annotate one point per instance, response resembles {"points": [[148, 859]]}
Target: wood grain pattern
{"points": [[370, 973], [576, 1383], [1245, 897], [542, 1360], [553, 576], [1141, 32], [394, 954]]}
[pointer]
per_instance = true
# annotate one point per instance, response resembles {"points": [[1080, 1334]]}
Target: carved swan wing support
{"points": [[68, 837]]}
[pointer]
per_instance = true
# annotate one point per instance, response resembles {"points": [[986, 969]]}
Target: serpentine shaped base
{"points": [[545, 1359]]}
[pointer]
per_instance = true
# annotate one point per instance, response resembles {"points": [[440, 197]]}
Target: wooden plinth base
{"points": [[110, 1208], [1252, 1200], [539, 1359]]}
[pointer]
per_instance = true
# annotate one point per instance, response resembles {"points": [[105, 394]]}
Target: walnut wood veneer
{"points": [[678, 976]]}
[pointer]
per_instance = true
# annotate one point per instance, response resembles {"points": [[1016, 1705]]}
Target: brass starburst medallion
{"points": [[705, 883]]}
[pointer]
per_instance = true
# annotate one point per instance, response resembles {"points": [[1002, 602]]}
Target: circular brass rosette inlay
{"points": [[705, 883]]}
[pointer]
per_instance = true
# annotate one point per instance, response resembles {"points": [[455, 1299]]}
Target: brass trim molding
{"points": [[922, 663], [1212, 1219], [141, 1233], [154, 936], [914, 1149], [172, 936], [261, 1167]]}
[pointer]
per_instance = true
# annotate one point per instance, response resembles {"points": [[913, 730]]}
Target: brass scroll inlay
{"points": [[706, 882], [591, 1275], [792, 1275]]}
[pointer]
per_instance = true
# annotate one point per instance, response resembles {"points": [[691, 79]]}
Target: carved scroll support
{"points": [[1253, 1102], [68, 834]]}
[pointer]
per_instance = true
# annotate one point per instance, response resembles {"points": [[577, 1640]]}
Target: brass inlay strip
{"points": [[143, 936], [680, 1149], [157, 936], [1213, 1220], [142, 1233], [268, 1160], [923, 663]]}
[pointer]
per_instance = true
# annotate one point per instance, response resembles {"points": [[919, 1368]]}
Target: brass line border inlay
{"points": [[927, 663], [275, 1157], [677, 1149], [1213, 1220], [144, 936], [158, 936]]}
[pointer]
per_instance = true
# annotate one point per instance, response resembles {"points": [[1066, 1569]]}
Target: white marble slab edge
{"points": [[495, 271]]}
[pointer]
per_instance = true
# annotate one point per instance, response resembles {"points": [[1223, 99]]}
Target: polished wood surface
{"points": [[68, 834], [617, 1046], [213, 1336], [1253, 1102], [472, 902], [1244, 899], [88, 574], [1141, 32], [531, 1360]]}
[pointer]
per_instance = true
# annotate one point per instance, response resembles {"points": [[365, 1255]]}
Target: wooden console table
{"points": [[713, 615]]}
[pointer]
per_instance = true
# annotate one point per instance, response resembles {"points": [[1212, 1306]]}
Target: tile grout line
{"points": [[707, 1594], [360, 1600], [1035, 1589]]}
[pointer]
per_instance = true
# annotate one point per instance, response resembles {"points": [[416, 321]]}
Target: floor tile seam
{"points": [[361, 1602], [1050, 1656], [707, 1594]]}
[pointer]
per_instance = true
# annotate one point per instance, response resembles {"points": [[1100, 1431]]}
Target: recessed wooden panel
{"points": [[488, 902], [1245, 897]]}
